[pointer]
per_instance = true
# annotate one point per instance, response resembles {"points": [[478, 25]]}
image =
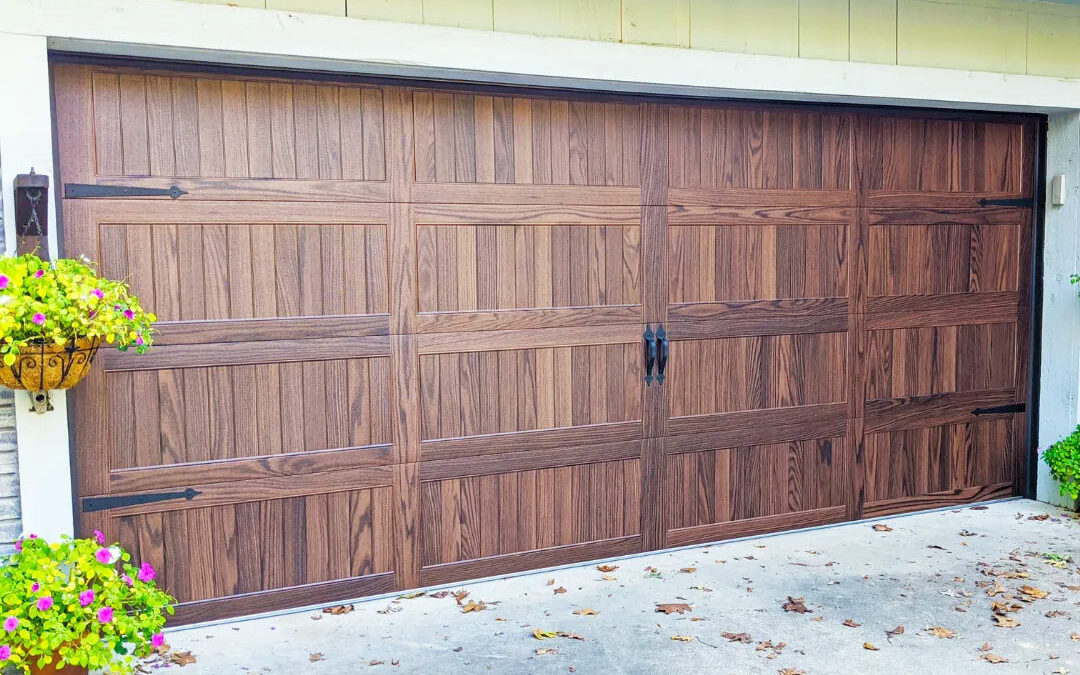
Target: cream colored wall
{"points": [[1008, 36]]}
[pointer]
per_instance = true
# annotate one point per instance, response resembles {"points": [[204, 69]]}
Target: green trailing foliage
{"points": [[1063, 458]]}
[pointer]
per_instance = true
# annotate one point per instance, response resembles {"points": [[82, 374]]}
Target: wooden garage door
{"points": [[412, 336]]}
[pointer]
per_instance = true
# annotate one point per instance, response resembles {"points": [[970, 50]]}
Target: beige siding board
{"points": [[332, 7], [583, 19], [475, 14], [655, 22], [1053, 45], [950, 36], [873, 31], [823, 29], [406, 11], [746, 26]]}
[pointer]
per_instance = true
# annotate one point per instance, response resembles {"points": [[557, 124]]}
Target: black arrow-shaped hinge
{"points": [[91, 504], [92, 191]]}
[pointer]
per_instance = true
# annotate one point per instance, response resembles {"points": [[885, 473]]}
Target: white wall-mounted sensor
{"points": [[1057, 190]]}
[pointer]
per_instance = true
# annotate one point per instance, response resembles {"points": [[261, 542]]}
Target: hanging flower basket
{"points": [[54, 315]]}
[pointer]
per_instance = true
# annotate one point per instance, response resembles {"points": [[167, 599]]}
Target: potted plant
{"points": [[53, 317], [76, 604], [1063, 458]]}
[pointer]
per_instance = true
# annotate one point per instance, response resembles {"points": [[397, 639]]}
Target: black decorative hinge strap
{"points": [[91, 191], [1000, 409], [91, 504], [1026, 202]]}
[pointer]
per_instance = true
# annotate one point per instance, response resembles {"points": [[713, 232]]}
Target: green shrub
{"points": [[1063, 458]]}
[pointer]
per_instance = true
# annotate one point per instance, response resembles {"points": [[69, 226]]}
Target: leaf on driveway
{"points": [[182, 658], [688, 570], [869, 646], [608, 577], [1005, 622], [942, 632], [560, 590], [672, 607], [899, 630], [985, 647], [1033, 592], [850, 623], [797, 605], [1075, 637], [701, 588], [546, 650], [585, 611], [460, 595], [317, 656], [550, 582], [473, 606], [541, 634], [410, 596], [337, 609], [683, 638], [791, 671], [994, 658], [882, 527], [997, 589], [607, 568], [738, 637]]}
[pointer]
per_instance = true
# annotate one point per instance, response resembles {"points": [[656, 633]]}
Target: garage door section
{"points": [[249, 455], [413, 336]]}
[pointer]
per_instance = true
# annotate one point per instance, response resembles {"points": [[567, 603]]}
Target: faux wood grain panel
{"points": [[482, 516], [715, 486], [935, 360], [173, 416], [177, 125], [709, 264], [712, 376], [467, 138], [929, 259], [246, 271], [932, 459], [470, 394], [765, 149], [498, 267], [263, 545]]}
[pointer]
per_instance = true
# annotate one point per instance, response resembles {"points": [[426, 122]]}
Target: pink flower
{"points": [[39, 273], [5, 652], [4, 281], [10, 624], [38, 318], [98, 293], [139, 340], [44, 603], [35, 587], [157, 639], [128, 314], [93, 313], [146, 573], [104, 556], [127, 580], [105, 614], [86, 597], [18, 546], [100, 537]]}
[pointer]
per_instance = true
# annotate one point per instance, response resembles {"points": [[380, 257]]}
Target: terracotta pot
{"points": [[51, 669], [46, 366]]}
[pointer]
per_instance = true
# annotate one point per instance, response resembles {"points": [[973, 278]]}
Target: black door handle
{"points": [[650, 353], [661, 365]]}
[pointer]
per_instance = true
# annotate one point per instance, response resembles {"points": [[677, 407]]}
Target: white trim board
{"points": [[242, 36]]}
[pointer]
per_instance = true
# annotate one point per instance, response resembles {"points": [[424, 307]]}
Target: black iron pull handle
{"points": [[661, 365], [650, 353]]}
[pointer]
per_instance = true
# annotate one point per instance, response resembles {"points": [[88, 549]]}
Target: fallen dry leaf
{"points": [[439, 594], [993, 658], [571, 636], [607, 568], [701, 588], [997, 589], [608, 577], [738, 637], [882, 527], [460, 595], [410, 596], [1075, 637], [560, 590], [338, 609], [1003, 608], [942, 632], [791, 671], [683, 638], [182, 658], [672, 607], [797, 605], [317, 656], [546, 650], [541, 634], [688, 570], [550, 582], [473, 606], [1041, 516], [1033, 592], [985, 647], [1005, 622], [585, 611], [869, 646], [899, 630], [850, 623]]}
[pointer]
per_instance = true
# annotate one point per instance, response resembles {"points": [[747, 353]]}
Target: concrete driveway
{"points": [[904, 594]]}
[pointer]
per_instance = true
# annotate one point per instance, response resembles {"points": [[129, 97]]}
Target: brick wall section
{"points": [[10, 524]]}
